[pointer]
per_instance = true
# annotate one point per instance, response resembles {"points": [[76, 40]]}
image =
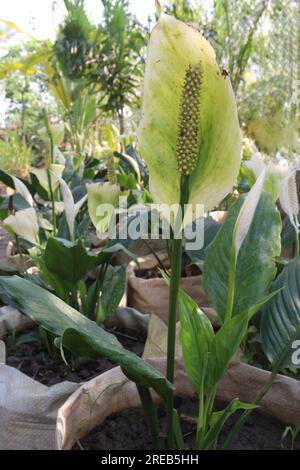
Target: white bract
{"points": [[71, 209], [24, 224], [247, 212], [189, 120], [274, 173], [288, 195], [22, 189], [103, 198], [42, 175]]}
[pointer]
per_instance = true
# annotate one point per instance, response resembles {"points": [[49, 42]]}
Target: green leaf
{"points": [[79, 334], [113, 288], [288, 233], [7, 179], [103, 198], [256, 307], [68, 260], [61, 288], [115, 248], [223, 347], [127, 181], [92, 298], [280, 324], [196, 335], [211, 228], [15, 202], [219, 418], [38, 188], [256, 266]]}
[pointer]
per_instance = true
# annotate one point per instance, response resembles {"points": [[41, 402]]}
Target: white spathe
{"points": [[71, 209], [24, 224], [23, 190], [247, 212], [288, 195]]}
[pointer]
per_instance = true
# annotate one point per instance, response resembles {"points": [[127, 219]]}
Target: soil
{"points": [[32, 359], [128, 431]]}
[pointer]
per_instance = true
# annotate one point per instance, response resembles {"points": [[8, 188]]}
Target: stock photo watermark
{"points": [[153, 222], [296, 353]]}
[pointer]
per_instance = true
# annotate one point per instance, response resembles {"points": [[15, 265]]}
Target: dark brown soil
{"points": [[128, 431], [32, 359]]}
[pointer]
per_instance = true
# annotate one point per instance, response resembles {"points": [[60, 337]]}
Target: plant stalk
{"points": [[151, 415], [52, 202], [173, 296], [176, 255], [231, 284]]}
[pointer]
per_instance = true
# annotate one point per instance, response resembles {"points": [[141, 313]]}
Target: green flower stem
{"points": [[52, 202], [173, 296], [176, 246], [231, 283], [151, 415], [22, 259], [48, 130]]}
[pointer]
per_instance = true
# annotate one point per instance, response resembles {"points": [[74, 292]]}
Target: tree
{"points": [[108, 57]]}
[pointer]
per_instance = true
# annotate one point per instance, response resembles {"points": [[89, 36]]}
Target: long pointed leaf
{"points": [[280, 325], [79, 334]]}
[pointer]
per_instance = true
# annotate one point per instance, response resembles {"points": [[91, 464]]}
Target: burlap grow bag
{"points": [[112, 392], [12, 320], [28, 409], [152, 295]]}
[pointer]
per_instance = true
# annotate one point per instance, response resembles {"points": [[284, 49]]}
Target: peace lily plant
{"points": [[281, 182], [189, 137]]}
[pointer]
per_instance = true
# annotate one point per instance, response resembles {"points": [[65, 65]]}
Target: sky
{"points": [[40, 17]]}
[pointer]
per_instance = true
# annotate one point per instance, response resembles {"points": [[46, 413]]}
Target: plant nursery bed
{"points": [[128, 430], [32, 359]]}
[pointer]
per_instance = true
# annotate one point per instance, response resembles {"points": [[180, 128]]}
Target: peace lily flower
{"points": [[288, 196], [241, 229], [42, 175], [189, 124], [274, 173], [22, 189], [103, 198], [280, 181], [58, 156], [23, 223], [247, 212], [71, 209]]}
